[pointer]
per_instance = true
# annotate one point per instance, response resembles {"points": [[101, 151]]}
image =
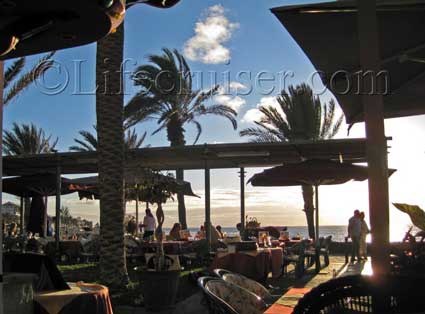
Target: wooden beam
{"points": [[375, 132]]}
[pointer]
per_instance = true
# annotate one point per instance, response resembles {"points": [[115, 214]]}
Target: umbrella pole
{"points": [[316, 194], [21, 219]]}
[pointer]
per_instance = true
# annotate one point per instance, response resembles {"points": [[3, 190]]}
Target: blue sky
{"points": [[216, 36]]}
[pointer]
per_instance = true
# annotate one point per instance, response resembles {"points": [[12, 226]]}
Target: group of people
{"points": [[358, 231]]}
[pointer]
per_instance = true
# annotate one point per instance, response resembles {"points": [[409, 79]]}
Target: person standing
{"points": [[364, 231], [149, 225], [354, 232]]}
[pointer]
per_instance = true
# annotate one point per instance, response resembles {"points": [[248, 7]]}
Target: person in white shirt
{"points": [[149, 225], [363, 234], [354, 232]]}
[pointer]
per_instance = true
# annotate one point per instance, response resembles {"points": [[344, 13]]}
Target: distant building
{"points": [[10, 208]]}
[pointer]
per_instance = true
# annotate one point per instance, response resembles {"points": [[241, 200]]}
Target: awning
{"points": [[327, 33]]}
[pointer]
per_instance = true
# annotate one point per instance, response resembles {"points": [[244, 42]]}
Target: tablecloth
{"points": [[81, 298], [252, 264]]}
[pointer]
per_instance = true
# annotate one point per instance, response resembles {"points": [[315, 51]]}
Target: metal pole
{"points": [[21, 219], [316, 194], [242, 177], [45, 223], [58, 207], [1, 186], [373, 107], [207, 206], [137, 209]]}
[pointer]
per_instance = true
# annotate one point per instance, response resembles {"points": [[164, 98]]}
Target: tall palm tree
{"points": [[167, 95], [302, 116], [110, 148], [89, 141], [27, 139], [15, 81]]}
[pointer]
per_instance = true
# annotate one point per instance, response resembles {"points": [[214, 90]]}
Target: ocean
{"points": [[338, 232]]}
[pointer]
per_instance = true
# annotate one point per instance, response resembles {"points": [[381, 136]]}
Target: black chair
{"points": [[215, 304], [295, 255], [364, 294], [324, 244]]}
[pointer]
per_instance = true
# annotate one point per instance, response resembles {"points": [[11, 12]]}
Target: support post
{"points": [[207, 206], [242, 177], [373, 107], [22, 214], [1, 185], [58, 207], [137, 210], [317, 241]]}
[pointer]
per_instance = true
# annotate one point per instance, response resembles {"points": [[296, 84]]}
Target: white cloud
{"points": [[236, 86], [210, 35], [254, 114], [225, 97], [234, 102]]}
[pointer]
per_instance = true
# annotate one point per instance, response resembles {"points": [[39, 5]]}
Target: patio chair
{"points": [[226, 298], [362, 294], [295, 255], [324, 244], [244, 282]]}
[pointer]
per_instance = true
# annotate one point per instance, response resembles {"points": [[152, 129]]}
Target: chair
{"points": [[324, 244], [244, 282], [363, 294], [295, 255], [226, 298]]}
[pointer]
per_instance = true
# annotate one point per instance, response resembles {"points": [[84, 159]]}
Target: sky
{"points": [[243, 47]]}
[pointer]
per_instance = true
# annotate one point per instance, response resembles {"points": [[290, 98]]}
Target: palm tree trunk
{"points": [[309, 209], [180, 199], [175, 134], [109, 111]]}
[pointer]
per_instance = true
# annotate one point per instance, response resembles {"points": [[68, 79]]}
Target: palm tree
{"points": [[301, 117], [110, 148], [89, 141], [167, 95], [15, 82], [27, 139]]}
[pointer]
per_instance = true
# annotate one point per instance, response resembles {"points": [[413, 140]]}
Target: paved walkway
{"points": [[337, 267]]}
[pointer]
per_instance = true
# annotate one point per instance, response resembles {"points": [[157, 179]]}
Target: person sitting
{"points": [[201, 233], [220, 231], [132, 226], [175, 232]]}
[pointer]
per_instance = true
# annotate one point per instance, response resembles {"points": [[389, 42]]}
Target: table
{"points": [[252, 264], [81, 298], [170, 247]]}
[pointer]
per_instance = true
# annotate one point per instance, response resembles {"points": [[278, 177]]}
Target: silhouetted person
{"points": [[354, 232]]}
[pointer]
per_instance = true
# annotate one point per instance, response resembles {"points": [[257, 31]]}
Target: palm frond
{"points": [[26, 79], [13, 70]]}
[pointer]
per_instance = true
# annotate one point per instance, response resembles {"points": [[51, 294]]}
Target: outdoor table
{"points": [[252, 264], [286, 304], [81, 298], [170, 247]]}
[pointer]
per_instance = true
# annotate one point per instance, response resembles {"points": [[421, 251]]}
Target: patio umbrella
{"points": [[327, 33], [312, 172], [35, 185], [29, 27]]}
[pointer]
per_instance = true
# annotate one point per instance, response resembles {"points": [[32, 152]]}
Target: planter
{"points": [[159, 289]]}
